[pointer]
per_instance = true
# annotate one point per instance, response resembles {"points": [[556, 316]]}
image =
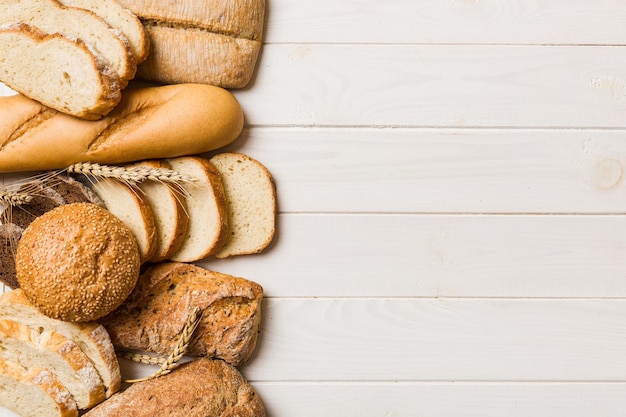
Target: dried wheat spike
{"points": [[131, 175]]}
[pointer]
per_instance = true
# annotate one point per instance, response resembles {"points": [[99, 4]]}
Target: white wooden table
{"points": [[451, 237]]}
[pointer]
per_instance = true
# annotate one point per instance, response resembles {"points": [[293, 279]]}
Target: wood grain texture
{"points": [[438, 86], [408, 170], [448, 21]]}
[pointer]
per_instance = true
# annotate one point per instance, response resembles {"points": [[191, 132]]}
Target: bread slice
{"points": [[130, 206], [50, 16], [45, 348], [58, 72], [206, 205], [91, 337], [122, 20], [34, 392], [251, 197], [10, 235], [167, 204]]}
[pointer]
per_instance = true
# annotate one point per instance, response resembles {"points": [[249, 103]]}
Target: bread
{"points": [[91, 337], [155, 313], [251, 198], [120, 20], [34, 392], [201, 41], [77, 262], [223, 392], [206, 205], [131, 207], [59, 72], [71, 190], [149, 123], [50, 16], [169, 210], [47, 349], [10, 235]]}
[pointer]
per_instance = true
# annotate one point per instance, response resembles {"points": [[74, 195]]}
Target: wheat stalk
{"points": [[13, 198], [169, 363], [133, 175]]}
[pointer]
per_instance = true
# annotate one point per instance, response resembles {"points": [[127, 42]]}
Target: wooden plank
{"points": [[449, 399], [471, 340], [442, 170], [455, 21], [435, 86], [439, 256]]}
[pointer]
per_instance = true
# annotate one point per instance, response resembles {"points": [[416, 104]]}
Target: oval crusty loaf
{"points": [[91, 337], [131, 207], [45, 348], [77, 262], [120, 19], [50, 16], [206, 205], [201, 41], [149, 123], [155, 313], [169, 210], [34, 392], [223, 393], [251, 198], [61, 73]]}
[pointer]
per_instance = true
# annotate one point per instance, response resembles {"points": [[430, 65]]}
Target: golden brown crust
{"points": [[223, 393], [149, 123], [154, 315], [77, 262]]}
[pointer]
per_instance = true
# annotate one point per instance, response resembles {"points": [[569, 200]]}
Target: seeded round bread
{"points": [[77, 262]]}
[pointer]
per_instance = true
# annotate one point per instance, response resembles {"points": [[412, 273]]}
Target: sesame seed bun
{"points": [[77, 262]]}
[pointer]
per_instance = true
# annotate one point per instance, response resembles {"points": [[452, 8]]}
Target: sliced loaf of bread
{"points": [[34, 392], [47, 349], [131, 207], [50, 16], [91, 337], [206, 205], [251, 198], [120, 19], [168, 207], [61, 73]]}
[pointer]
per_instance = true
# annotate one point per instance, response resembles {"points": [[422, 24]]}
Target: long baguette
{"points": [[149, 123]]}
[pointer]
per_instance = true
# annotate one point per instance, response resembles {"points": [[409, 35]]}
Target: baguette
{"points": [[155, 313], [200, 388], [149, 123]]}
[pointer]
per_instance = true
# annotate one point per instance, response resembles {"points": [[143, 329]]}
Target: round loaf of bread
{"points": [[77, 262]]}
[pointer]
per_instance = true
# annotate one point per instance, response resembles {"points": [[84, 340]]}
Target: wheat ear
{"points": [[171, 362], [133, 175], [13, 198]]}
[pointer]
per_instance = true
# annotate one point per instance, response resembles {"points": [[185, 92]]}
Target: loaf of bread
{"points": [[34, 392], [200, 388], [201, 41], [91, 337], [60, 72], [150, 122], [47, 349], [77, 262], [155, 313]]}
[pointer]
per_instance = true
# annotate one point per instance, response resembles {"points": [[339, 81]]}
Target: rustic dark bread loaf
{"points": [[155, 313], [201, 41], [10, 235], [149, 123], [200, 388]]}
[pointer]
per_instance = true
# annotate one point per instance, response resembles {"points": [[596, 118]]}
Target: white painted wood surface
{"points": [[451, 238]]}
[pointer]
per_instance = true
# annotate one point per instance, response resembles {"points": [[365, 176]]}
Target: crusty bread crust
{"points": [[223, 393], [231, 312], [149, 123]]}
